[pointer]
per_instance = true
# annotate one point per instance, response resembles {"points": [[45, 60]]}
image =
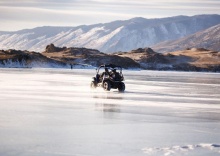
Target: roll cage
{"points": [[109, 67]]}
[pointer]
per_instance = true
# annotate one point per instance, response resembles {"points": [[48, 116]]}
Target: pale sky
{"points": [[21, 14]]}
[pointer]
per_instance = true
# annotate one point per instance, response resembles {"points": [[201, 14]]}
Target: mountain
{"points": [[109, 37], [208, 39]]}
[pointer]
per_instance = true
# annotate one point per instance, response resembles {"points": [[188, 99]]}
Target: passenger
{"points": [[115, 75]]}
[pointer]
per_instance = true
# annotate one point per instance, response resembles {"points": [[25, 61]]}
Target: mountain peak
{"points": [[138, 19]]}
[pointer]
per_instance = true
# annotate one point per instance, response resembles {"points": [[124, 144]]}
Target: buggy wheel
{"points": [[106, 86], [93, 85], [121, 87]]}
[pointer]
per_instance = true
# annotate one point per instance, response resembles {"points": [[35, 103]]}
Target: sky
{"points": [[22, 14]]}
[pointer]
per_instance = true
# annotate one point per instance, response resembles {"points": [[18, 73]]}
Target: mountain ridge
{"points": [[109, 37]]}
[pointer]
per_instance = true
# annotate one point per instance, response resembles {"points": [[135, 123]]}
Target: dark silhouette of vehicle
{"points": [[109, 79]]}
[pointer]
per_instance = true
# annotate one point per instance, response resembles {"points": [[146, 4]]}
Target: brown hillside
{"points": [[195, 59], [18, 58], [88, 56]]}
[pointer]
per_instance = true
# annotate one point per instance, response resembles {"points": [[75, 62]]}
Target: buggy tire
{"points": [[106, 86], [121, 87], [93, 85]]}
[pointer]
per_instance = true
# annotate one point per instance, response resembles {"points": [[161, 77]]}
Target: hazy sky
{"points": [[20, 14]]}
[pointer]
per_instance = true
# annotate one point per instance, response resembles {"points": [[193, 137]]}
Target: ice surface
{"points": [[50, 112]]}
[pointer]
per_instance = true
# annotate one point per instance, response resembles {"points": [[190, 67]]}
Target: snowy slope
{"points": [[208, 39], [109, 37]]}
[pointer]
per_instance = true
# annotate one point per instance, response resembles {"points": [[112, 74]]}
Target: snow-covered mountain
{"points": [[109, 37], [208, 39]]}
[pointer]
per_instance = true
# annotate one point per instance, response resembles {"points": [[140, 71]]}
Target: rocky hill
{"points": [[25, 59], [109, 37], [208, 39], [195, 59], [92, 57], [56, 57]]}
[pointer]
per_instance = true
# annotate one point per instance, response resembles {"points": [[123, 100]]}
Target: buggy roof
{"points": [[110, 66]]}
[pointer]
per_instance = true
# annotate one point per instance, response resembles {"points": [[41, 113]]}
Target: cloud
{"points": [[77, 12]]}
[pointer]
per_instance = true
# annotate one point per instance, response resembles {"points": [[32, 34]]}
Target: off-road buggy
{"points": [[107, 77]]}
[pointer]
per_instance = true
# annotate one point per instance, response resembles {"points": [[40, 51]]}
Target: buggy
{"points": [[108, 77]]}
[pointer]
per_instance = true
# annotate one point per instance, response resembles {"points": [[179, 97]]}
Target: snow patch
{"points": [[173, 150]]}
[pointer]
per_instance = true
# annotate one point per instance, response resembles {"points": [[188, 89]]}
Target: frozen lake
{"points": [[53, 112]]}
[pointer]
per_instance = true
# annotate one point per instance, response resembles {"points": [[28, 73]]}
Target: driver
{"points": [[114, 74], [106, 72]]}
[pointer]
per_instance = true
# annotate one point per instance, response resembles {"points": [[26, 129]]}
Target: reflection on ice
{"points": [[107, 95], [107, 107], [104, 99]]}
